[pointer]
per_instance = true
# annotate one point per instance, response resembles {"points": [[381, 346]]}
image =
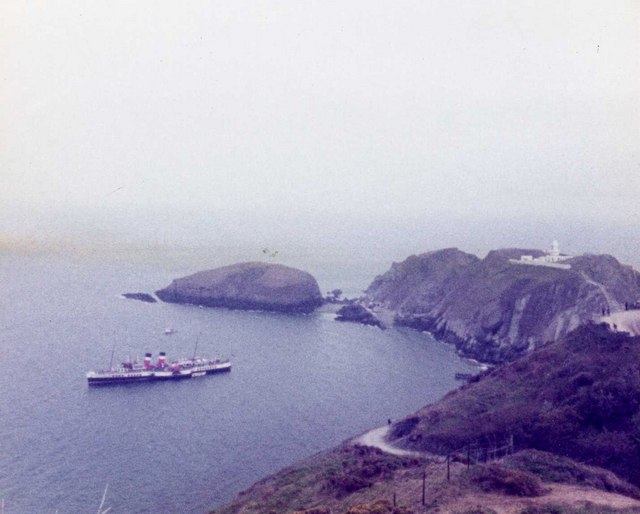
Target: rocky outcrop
{"points": [[494, 310], [250, 286], [143, 297], [358, 314]]}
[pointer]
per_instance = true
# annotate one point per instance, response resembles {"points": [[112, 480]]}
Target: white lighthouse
{"points": [[552, 259], [554, 255]]}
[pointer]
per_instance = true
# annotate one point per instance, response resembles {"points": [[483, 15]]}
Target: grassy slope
{"points": [[358, 480], [579, 397], [335, 479]]}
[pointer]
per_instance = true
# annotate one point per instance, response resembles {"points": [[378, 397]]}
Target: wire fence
{"points": [[470, 454], [474, 453]]}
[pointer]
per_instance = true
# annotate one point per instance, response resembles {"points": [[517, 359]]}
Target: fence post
{"points": [[424, 479], [394, 498], [468, 457], [448, 469]]}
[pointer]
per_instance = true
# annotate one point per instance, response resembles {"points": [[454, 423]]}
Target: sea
{"points": [[300, 384]]}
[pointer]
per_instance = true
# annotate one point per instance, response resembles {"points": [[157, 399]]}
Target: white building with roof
{"points": [[552, 259]]}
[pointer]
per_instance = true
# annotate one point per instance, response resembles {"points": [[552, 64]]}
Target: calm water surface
{"points": [[299, 384]]}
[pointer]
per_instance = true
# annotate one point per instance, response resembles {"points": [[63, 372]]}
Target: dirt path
{"points": [[376, 438], [562, 494], [624, 321], [611, 303], [621, 321]]}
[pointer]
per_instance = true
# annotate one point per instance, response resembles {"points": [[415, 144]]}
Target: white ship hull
{"points": [[186, 368]]}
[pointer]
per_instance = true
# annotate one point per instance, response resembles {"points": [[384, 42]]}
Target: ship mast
{"points": [[196, 348]]}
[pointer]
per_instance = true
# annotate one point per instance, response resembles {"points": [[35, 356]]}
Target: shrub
{"points": [[588, 508], [378, 507], [553, 468], [404, 427], [320, 509], [478, 510], [494, 477], [345, 484], [360, 466]]}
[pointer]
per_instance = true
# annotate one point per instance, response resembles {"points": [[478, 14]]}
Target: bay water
{"points": [[299, 384]]}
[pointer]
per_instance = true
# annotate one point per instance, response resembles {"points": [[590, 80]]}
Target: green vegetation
{"points": [[553, 468], [589, 508], [378, 507], [579, 397], [478, 510], [326, 478], [361, 466], [497, 478]]}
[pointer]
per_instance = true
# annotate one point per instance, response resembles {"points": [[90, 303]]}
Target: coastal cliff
{"points": [[495, 310], [533, 428], [249, 286], [555, 428], [578, 397]]}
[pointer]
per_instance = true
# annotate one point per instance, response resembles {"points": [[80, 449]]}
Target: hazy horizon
{"points": [[324, 236], [368, 128]]}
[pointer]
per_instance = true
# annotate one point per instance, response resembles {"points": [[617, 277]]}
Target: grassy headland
{"points": [[543, 422]]}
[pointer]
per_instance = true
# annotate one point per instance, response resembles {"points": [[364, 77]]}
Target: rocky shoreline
{"points": [[525, 319], [142, 297], [493, 310], [498, 444]]}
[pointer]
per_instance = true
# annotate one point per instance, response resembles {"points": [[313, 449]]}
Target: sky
{"points": [[418, 123]]}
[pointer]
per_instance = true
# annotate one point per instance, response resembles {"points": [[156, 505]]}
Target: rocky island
{"points": [[248, 286], [142, 297], [524, 436], [501, 307], [358, 313]]}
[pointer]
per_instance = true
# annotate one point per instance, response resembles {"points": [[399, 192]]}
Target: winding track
{"points": [[611, 302], [376, 438]]}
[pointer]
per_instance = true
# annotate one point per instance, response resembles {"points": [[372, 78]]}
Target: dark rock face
{"points": [[143, 297], [494, 310], [358, 314], [249, 286]]}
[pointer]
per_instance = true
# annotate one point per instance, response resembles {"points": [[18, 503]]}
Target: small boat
{"points": [[169, 331], [132, 371]]}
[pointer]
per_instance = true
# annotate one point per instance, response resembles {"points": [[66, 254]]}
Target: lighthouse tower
{"points": [[551, 258], [555, 252]]}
